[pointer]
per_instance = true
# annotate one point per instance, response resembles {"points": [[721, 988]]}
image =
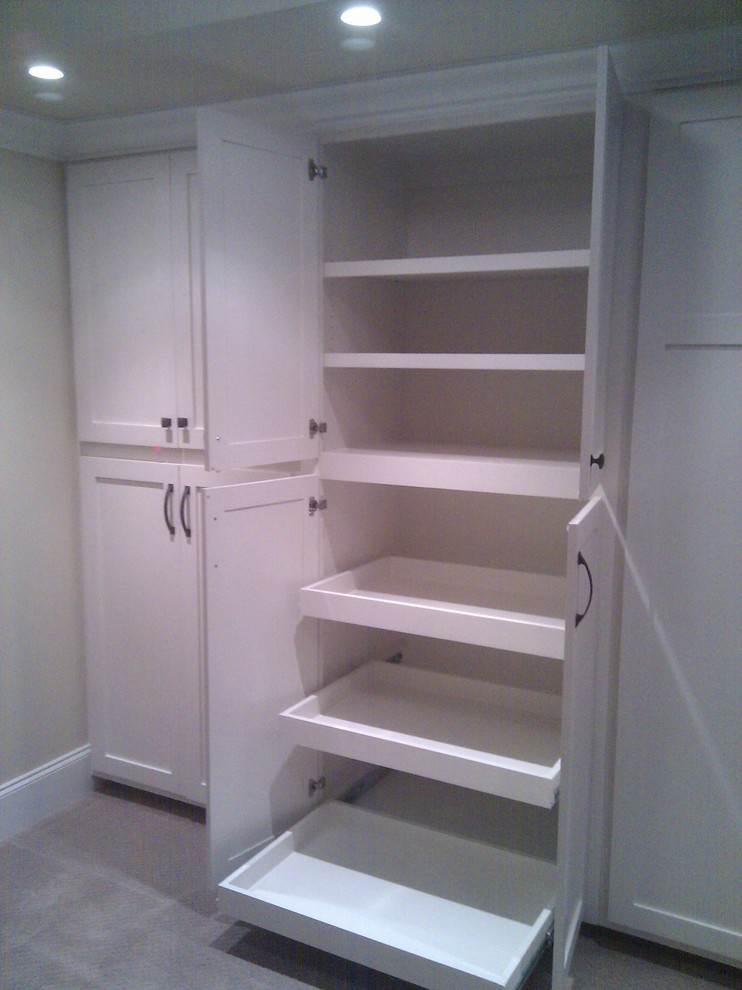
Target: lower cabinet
{"points": [[428, 824], [144, 621], [140, 533]]}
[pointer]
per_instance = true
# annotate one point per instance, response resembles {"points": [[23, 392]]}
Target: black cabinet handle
{"points": [[167, 507], [182, 422], [599, 460], [166, 422], [581, 562], [184, 498]]}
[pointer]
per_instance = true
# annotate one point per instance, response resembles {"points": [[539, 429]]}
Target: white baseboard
{"points": [[44, 792]]}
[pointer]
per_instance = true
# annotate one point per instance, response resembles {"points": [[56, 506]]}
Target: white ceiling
{"points": [[126, 56]]}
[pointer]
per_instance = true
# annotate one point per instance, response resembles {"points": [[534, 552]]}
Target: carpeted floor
{"points": [[110, 896]]}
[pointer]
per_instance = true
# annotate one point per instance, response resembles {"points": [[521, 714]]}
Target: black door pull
{"points": [[184, 498], [167, 507], [581, 562]]}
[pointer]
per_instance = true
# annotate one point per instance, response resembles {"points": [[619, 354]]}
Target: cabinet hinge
{"points": [[315, 428], [316, 171], [316, 784], [316, 504]]}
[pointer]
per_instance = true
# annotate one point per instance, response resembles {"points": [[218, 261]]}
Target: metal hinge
{"points": [[315, 428], [316, 784], [316, 171], [316, 503]]}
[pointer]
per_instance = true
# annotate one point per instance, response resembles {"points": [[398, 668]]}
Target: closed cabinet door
{"points": [[676, 872], [143, 652], [134, 244]]}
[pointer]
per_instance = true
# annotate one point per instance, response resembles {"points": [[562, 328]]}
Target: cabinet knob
{"points": [[166, 422], [182, 422]]}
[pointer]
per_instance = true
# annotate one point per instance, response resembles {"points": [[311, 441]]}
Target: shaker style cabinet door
{"points": [[261, 281], [141, 595], [676, 872], [133, 231]]}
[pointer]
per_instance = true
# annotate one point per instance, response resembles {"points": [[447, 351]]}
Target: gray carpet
{"points": [[110, 896]]}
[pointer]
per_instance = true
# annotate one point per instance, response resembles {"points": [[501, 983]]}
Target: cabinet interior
{"points": [[475, 364]]}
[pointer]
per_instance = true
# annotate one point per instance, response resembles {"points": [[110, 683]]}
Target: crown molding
{"points": [[541, 85]]}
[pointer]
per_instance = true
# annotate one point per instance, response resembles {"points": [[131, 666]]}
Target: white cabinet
{"points": [[413, 626], [134, 229], [676, 873], [143, 618]]}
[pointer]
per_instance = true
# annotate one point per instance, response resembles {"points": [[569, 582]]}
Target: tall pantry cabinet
{"points": [[402, 634]]}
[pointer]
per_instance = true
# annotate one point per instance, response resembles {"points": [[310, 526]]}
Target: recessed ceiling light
{"points": [[362, 16], [45, 72]]}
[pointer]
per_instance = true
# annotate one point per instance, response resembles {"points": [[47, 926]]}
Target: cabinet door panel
{"points": [[586, 589], [187, 296], [139, 657], [608, 126], [261, 546], [676, 872], [261, 266], [119, 226]]}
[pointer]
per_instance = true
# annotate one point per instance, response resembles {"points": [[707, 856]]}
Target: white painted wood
{"points": [[121, 278], [585, 597], [261, 546], [459, 362], [603, 232], [185, 212], [503, 609], [554, 474], [141, 602], [418, 904], [529, 261], [675, 865], [44, 791], [261, 244], [493, 739]]}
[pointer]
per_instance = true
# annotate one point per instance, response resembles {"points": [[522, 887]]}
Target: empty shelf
{"points": [[549, 473], [421, 905], [483, 736], [473, 264], [457, 362], [507, 610]]}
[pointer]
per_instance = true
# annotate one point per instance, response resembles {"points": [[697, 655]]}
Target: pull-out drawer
{"points": [[485, 736], [425, 906]]}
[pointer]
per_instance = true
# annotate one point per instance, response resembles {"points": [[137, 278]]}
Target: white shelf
{"points": [[549, 473], [471, 733], [507, 610], [473, 264], [458, 362], [424, 906]]}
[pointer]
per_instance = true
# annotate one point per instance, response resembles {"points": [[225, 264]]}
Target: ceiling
{"points": [[127, 56]]}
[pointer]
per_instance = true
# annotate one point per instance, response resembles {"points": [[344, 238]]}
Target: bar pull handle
{"points": [[167, 509], [581, 562], [184, 499]]}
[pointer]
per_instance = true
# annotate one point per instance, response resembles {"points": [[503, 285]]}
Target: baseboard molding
{"points": [[44, 792]]}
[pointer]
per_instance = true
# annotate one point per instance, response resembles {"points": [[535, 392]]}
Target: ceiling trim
{"points": [[504, 90]]}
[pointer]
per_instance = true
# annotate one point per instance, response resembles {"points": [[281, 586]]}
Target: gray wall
{"points": [[42, 699]]}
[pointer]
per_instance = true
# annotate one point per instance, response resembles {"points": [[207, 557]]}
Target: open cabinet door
{"points": [[606, 172], [261, 544], [261, 291], [584, 547]]}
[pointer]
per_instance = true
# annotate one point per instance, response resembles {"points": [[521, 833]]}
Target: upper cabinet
{"points": [[261, 243], [135, 276]]}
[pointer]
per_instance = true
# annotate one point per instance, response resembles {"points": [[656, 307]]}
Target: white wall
{"points": [[42, 699]]}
